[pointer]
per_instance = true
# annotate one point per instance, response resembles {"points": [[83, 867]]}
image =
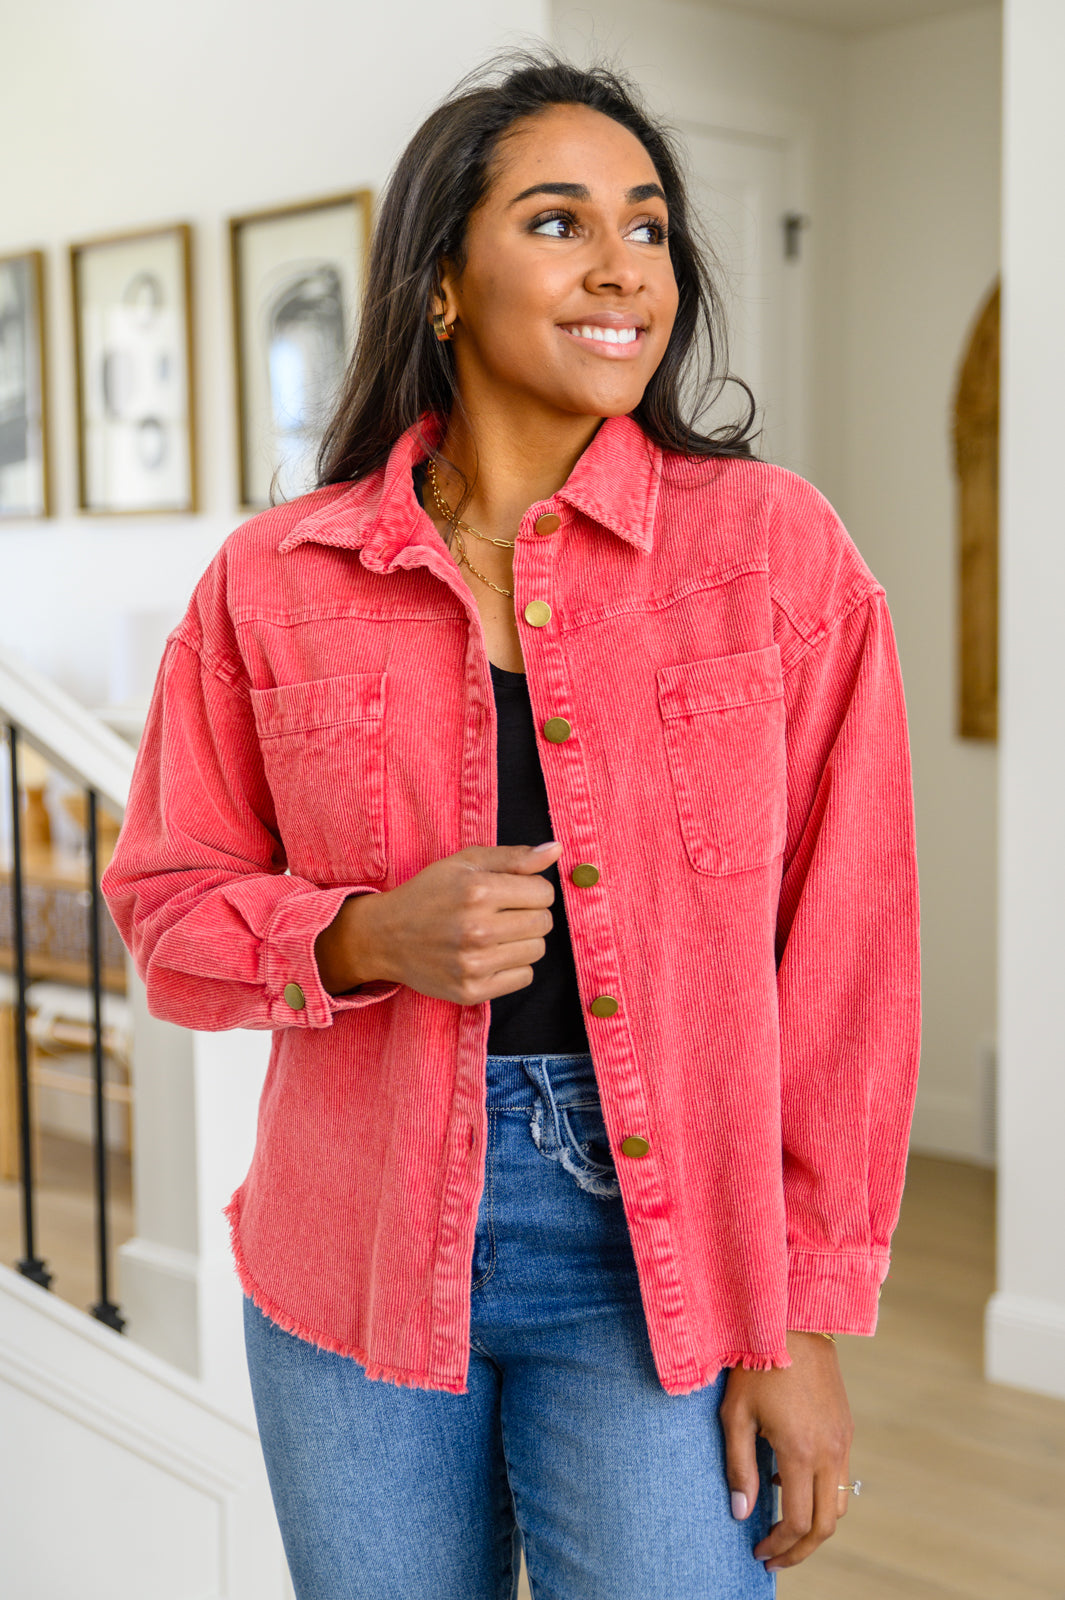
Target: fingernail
{"points": [[548, 846], [739, 1503]]}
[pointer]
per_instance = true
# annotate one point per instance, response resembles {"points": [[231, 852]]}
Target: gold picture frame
{"points": [[976, 460], [134, 361], [25, 478], [297, 273]]}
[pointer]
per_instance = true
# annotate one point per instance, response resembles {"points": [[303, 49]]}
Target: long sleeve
{"points": [[848, 969], [198, 887]]}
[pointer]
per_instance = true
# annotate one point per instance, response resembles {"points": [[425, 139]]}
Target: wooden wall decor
{"points": [[976, 407]]}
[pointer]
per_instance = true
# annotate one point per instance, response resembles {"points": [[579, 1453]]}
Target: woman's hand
{"points": [[803, 1411], [466, 928]]}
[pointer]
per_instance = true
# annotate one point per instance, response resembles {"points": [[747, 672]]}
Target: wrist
{"points": [[344, 951]]}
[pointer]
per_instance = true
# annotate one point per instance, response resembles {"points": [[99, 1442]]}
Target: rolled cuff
{"points": [[296, 997], [835, 1291]]}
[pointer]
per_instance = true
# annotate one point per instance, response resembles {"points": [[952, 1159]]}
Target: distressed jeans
{"points": [[566, 1440]]}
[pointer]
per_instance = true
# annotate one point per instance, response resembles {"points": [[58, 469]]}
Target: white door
{"points": [[740, 189]]}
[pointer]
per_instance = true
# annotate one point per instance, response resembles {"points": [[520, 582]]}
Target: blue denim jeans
{"points": [[566, 1439]]}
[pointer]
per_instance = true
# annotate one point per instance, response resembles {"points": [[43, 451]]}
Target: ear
{"points": [[444, 300]]}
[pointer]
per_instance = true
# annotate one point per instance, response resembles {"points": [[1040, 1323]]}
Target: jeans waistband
{"points": [[512, 1080]]}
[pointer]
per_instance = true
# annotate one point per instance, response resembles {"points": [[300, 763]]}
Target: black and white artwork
{"points": [[297, 282], [134, 358], [23, 456]]}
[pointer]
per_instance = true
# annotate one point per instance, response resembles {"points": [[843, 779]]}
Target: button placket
{"points": [[558, 730]]}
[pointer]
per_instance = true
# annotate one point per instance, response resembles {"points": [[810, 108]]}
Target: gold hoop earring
{"points": [[440, 327]]}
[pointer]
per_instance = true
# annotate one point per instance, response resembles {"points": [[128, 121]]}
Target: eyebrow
{"points": [[580, 191]]}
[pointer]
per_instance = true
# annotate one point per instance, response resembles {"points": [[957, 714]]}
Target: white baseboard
{"points": [[1024, 1343]]}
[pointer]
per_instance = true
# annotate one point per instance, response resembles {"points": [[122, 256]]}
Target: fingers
{"points": [[809, 1512], [515, 858], [741, 1462], [843, 1497], [796, 1511]]}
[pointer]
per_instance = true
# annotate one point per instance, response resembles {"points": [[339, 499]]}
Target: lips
{"points": [[604, 335], [609, 334]]}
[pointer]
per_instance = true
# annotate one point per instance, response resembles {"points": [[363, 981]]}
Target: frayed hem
{"points": [[753, 1362], [379, 1371], [607, 1187]]}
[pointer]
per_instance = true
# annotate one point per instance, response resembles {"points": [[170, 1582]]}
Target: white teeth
{"points": [[607, 335]]}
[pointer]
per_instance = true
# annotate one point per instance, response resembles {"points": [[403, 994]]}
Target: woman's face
{"points": [[567, 296]]}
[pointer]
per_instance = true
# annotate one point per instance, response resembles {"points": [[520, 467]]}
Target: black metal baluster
{"points": [[104, 1310], [31, 1265]]}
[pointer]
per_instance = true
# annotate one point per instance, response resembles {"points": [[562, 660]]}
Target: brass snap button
{"points": [[604, 1005], [557, 729], [584, 875], [634, 1146], [537, 612], [294, 996], [550, 522]]}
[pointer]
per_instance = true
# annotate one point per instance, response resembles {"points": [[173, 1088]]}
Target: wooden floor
{"points": [[963, 1481], [65, 1217]]}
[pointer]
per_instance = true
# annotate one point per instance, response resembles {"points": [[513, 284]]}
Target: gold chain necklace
{"points": [[459, 527]]}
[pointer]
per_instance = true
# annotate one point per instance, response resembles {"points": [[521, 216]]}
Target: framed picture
{"points": [[23, 414], [298, 273], [133, 353]]}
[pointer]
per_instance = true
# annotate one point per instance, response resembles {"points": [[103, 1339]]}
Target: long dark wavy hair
{"points": [[399, 369]]}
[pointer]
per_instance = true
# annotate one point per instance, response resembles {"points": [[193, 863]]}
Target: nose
{"points": [[617, 268]]}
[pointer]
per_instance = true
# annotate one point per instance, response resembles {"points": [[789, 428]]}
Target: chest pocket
{"points": [[323, 746], [723, 724]]}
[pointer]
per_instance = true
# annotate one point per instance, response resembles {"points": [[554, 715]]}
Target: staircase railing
{"points": [[35, 713]]}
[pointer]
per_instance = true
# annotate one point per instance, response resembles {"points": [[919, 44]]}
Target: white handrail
{"points": [[71, 738]]}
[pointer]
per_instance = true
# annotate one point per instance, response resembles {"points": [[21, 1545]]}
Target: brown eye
{"points": [[659, 233], [554, 226]]}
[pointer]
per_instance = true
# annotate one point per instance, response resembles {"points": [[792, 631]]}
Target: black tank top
{"points": [[546, 1017]]}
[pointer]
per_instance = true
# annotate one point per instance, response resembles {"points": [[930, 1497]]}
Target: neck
{"points": [[510, 466]]}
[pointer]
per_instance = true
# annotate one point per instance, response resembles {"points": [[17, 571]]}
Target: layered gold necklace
{"points": [[459, 527]]}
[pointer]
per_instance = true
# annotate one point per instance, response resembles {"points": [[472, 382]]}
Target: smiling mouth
{"points": [[615, 343], [587, 330]]}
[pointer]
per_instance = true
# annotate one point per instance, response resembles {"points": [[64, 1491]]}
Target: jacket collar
{"points": [[615, 482]]}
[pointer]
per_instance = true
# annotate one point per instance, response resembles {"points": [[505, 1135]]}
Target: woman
{"points": [[586, 1148]]}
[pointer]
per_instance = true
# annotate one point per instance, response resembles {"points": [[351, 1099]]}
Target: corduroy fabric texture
{"points": [[738, 770]]}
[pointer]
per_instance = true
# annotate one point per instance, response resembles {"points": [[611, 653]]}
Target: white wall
{"points": [[1026, 1317], [698, 63], [124, 114], [120, 1475], [922, 223], [902, 131]]}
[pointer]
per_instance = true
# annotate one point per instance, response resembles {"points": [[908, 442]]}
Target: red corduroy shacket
{"points": [[737, 770]]}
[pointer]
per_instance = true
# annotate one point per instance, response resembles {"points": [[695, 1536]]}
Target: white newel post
{"points": [[195, 1104], [1025, 1324]]}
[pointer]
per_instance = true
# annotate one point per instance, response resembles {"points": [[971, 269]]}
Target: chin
{"points": [[612, 401], [620, 408], [615, 406]]}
